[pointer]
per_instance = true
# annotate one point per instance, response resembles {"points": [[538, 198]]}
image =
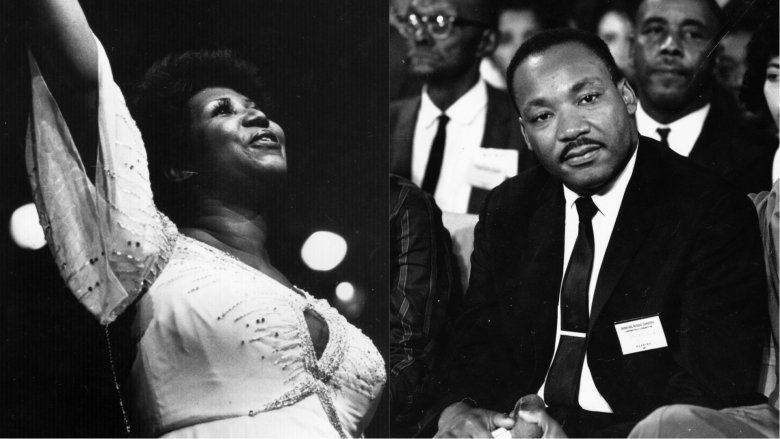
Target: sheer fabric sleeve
{"points": [[108, 240]]}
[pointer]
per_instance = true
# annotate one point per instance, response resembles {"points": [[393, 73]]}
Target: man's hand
{"points": [[550, 427], [762, 417], [462, 420]]}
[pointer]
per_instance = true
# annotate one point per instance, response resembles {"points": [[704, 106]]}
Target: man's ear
{"points": [[525, 135], [488, 43], [628, 95], [178, 175]]}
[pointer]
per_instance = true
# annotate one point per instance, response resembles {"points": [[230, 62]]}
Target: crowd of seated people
{"points": [[621, 281]]}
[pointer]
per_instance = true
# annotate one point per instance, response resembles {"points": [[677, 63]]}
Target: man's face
{"points": [[674, 53], [514, 28], [454, 55], [574, 117]]}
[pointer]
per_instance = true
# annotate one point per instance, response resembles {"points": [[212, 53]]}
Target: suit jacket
{"points": [[502, 130], [733, 149], [685, 246]]}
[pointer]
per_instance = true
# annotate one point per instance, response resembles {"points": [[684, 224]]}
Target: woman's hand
{"points": [[462, 420], [762, 417]]}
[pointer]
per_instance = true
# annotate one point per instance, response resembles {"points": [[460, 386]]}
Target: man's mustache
{"points": [[577, 143]]}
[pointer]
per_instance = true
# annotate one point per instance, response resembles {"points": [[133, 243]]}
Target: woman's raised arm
{"points": [[64, 47], [107, 237]]}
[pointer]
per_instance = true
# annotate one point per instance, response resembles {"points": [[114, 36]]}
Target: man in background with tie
{"points": [[614, 278], [459, 138], [679, 102]]}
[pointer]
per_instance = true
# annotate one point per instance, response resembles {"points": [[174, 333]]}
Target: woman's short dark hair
{"points": [[159, 107], [763, 46], [547, 39]]}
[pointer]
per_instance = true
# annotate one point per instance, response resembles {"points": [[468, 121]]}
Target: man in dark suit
{"points": [[679, 102], [459, 138], [613, 279]]}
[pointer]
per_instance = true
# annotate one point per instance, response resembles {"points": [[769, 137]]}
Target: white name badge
{"points": [[491, 166], [640, 335]]}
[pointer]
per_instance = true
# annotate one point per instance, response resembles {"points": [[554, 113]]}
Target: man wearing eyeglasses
{"points": [[459, 138]]}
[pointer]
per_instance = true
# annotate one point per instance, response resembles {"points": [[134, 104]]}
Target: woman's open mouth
{"points": [[265, 139]]}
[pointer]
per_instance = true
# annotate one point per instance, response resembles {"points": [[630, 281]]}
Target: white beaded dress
{"points": [[222, 349]]}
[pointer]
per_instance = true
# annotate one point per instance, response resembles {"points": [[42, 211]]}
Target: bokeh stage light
{"points": [[350, 300], [323, 250], [345, 291], [25, 229]]}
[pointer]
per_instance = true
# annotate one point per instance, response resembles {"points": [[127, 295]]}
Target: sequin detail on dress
{"points": [[307, 374]]}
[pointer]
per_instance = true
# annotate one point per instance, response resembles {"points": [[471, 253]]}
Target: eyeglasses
{"points": [[438, 26]]}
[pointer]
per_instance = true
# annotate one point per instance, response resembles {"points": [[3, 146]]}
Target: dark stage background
{"points": [[325, 63]]}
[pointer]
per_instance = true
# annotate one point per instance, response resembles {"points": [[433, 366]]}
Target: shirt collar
{"points": [[684, 131], [463, 111], [607, 200]]}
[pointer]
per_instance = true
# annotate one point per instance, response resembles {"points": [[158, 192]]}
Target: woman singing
{"points": [[225, 345]]}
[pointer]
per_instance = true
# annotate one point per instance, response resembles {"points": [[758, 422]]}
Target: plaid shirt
{"points": [[424, 285]]}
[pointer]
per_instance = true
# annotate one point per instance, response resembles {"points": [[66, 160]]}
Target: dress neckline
{"points": [[219, 252], [333, 351]]}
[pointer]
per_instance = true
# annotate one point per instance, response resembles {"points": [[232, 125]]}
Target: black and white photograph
{"points": [[211, 178], [584, 229], [412, 218]]}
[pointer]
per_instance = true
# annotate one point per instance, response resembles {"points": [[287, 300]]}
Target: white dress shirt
{"points": [[464, 137], [608, 202], [684, 131]]}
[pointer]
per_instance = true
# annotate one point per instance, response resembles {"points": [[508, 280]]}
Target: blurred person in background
{"points": [[743, 17], [616, 28], [613, 22], [459, 137], [760, 94], [402, 83], [680, 103], [518, 20], [759, 91]]}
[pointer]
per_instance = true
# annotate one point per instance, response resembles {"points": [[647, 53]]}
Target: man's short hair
{"points": [[547, 39]]}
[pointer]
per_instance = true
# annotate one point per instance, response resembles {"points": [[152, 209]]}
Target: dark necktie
{"points": [[664, 133], [563, 380], [433, 168]]}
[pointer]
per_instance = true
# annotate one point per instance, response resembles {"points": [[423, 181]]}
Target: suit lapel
{"points": [[536, 279], [635, 218], [402, 125], [712, 148]]}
